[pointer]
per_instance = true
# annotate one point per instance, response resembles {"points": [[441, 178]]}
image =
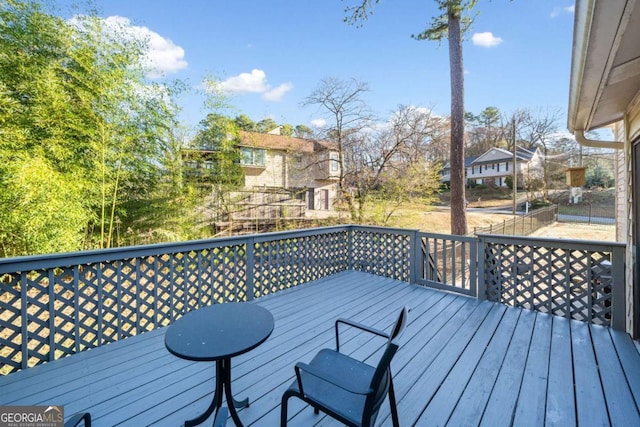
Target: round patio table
{"points": [[218, 333]]}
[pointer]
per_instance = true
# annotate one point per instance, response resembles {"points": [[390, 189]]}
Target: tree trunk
{"points": [[456, 160]]}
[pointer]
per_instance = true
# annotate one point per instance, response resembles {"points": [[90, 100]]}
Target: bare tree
{"points": [[540, 128], [347, 114], [426, 136], [450, 24], [375, 159], [389, 163]]}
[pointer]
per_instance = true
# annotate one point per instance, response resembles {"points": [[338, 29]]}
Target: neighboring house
{"points": [[605, 91], [494, 166], [273, 161]]}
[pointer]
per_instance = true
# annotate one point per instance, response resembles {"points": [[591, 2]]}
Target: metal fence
{"points": [[587, 213], [55, 305], [521, 225]]}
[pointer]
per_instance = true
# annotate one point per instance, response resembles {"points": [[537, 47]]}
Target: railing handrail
{"points": [[125, 252], [554, 242]]}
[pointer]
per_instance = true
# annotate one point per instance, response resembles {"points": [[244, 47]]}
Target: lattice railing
{"points": [[574, 279], [55, 305], [382, 251]]}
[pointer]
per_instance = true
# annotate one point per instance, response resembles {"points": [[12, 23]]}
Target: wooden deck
{"points": [[462, 362]]}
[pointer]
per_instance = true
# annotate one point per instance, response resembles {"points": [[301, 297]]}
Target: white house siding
{"points": [[629, 132], [272, 175]]}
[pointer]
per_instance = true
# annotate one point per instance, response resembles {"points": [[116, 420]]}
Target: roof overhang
{"points": [[605, 66]]}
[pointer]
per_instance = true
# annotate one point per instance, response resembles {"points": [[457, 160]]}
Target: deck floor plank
{"points": [[620, 404], [590, 404], [561, 409], [629, 358], [491, 340], [504, 397], [530, 408], [474, 397], [462, 362]]}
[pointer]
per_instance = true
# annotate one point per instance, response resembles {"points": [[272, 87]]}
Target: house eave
{"points": [[605, 67]]}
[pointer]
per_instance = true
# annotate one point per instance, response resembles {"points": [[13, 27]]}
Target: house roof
{"points": [[605, 66], [282, 142], [500, 154], [503, 155], [468, 161]]}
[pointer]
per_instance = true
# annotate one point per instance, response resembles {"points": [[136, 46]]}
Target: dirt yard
{"points": [[565, 230]]}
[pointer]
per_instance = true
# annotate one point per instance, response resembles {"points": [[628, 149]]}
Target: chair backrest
{"points": [[400, 324], [379, 384], [382, 376]]}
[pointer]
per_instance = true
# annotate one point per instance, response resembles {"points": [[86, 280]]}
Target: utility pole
{"points": [[515, 171]]}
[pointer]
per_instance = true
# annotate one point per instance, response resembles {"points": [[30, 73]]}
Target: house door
{"points": [[325, 199], [311, 203]]}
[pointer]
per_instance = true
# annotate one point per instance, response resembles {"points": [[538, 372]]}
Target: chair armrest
{"points": [[77, 418], [327, 377], [357, 325]]}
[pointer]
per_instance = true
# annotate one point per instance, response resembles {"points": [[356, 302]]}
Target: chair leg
{"points": [[283, 410], [392, 403]]}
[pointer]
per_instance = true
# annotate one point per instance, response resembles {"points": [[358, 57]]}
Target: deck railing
{"points": [[55, 305], [576, 279]]}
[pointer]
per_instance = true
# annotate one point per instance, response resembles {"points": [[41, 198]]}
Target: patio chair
{"points": [[344, 388], [78, 419]]}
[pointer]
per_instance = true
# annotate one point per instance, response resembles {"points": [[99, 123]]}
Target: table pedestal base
{"points": [[223, 386]]}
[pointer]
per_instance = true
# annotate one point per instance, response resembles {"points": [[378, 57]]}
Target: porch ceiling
{"points": [[605, 69]]}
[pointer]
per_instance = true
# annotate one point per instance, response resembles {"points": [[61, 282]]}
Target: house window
{"points": [[498, 167], [507, 166], [334, 162], [473, 170], [493, 166], [253, 156]]}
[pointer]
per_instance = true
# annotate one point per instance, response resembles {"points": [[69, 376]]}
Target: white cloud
{"points": [[277, 93], [486, 39], [163, 55], [319, 123], [255, 82], [557, 11]]}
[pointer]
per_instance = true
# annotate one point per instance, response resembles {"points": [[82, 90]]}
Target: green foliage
{"points": [[509, 181], [286, 129], [243, 122], [266, 125], [598, 177], [449, 9], [46, 210], [302, 131], [219, 137], [82, 132]]}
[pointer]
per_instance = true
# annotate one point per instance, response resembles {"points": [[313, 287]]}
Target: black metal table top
{"points": [[219, 331]]}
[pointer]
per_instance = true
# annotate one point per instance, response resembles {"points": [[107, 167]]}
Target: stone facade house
{"points": [[308, 169]]}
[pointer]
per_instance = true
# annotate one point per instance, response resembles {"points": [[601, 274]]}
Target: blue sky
{"points": [[272, 54]]}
